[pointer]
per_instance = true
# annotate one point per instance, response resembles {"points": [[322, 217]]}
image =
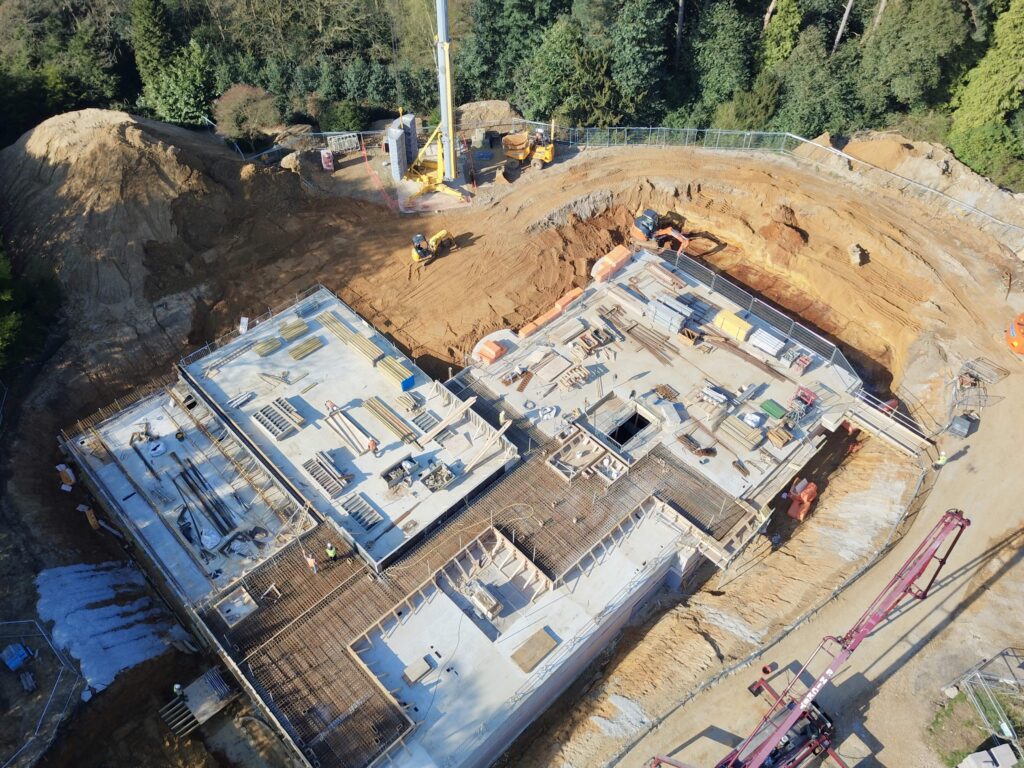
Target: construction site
{"points": [[506, 443]]}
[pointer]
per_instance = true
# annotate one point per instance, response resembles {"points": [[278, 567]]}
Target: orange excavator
{"points": [[647, 227], [1014, 335]]}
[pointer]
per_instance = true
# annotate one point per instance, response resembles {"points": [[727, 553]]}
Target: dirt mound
{"points": [[936, 166], [486, 113], [121, 211]]}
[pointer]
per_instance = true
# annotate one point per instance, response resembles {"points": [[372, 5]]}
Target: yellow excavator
{"points": [[535, 148], [423, 250]]}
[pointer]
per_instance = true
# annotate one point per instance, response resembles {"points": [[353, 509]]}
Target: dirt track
{"points": [[217, 241]]}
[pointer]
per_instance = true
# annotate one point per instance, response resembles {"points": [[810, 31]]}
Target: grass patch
{"points": [[957, 730]]}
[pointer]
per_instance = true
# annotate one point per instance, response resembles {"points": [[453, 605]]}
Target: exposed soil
{"points": [[162, 239]]}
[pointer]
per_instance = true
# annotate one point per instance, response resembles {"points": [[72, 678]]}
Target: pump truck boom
{"points": [[795, 729]]}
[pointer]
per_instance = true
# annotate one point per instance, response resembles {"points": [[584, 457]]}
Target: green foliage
{"points": [[779, 39], [26, 309], [923, 125], [992, 150], [569, 81], [476, 58], [639, 57], [902, 60], [151, 40], [343, 116], [184, 88], [815, 93], [245, 112], [597, 17], [750, 110], [995, 86], [988, 124], [10, 317], [723, 60], [599, 62]]}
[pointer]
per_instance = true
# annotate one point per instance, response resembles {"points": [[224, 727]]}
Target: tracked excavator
{"points": [[796, 731], [649, 226], [424, 250]]}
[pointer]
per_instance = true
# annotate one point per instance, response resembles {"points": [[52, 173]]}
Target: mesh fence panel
{"points": [[732, 291], [696, 271], [772, 316], [813, 342]]}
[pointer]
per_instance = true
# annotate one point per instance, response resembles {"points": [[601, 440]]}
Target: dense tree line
{"points": [[946, 70]]}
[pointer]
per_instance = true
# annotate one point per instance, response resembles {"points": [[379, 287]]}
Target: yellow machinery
{"points": [[428, 172], [534, 148], [435, 163], [424, 250]]}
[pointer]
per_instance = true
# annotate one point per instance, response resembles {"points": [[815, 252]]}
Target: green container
{"points": [[773, 409]]}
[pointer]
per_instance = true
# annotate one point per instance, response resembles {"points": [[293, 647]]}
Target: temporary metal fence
{"points": [[994, 686], [50, 717], [804, 150], [792, 330], [822, 156]]}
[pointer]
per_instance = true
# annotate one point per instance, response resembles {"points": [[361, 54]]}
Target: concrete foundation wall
{"points": [[538, 702]]}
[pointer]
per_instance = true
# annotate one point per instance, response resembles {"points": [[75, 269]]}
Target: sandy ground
{"points": [[161, 240], [889, 692]]}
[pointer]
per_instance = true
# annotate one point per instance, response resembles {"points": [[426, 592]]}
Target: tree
{"points": [[522, 25], [10, 317], [477, 58], [816, 93], [723, 48], [343, 116], [151, 40], [567, 80], [750, 110], [639, 57], [184, 89], [988, 123], [903, 61], [245, 112], [781, 33]]}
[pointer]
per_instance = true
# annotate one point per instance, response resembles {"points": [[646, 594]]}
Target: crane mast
{"points": [[444, 89]]}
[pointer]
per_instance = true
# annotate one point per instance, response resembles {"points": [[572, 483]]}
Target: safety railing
{"points": [[822, 156], [791, 329]]}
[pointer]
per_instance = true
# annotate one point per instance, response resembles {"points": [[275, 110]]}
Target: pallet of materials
{"points": [[321, 468], [767, 342], [267, 346], [394, 423], [747, 435], [276, 423], [360, 510], [398, 373], [780, 436], [732, 325], [357, 341], [289, 410], [629, 301], [292, 329], [305, 348], [773, 409], [666, 318], [675, 304]]}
